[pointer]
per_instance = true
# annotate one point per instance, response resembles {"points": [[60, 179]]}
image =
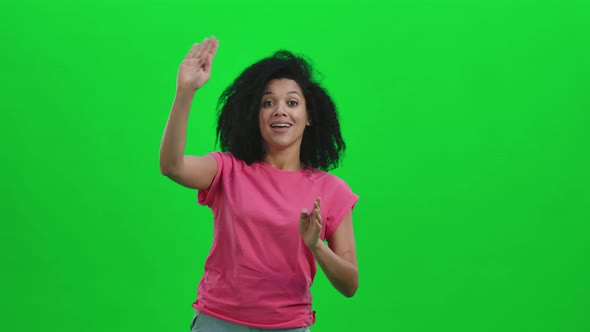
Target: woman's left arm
{"points": [[338, 258]]}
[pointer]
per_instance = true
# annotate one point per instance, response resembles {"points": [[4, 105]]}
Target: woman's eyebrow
{"points": [[270, 93]]}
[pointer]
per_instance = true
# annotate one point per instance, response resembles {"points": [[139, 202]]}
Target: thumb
{"points": [[304, 214]]}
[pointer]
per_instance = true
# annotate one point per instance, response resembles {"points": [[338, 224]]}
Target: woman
{"points": [[273, 201]]}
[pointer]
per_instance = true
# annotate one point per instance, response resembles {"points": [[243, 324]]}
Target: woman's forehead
{"points": [[282, 85]]}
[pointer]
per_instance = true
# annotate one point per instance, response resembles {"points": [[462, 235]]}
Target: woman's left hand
{"points": [[310, 225]]}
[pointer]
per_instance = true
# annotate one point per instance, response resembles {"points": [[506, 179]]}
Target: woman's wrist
{"points": [[318, 247], [184, 93]]}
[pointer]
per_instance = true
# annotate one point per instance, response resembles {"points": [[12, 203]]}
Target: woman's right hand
{"points": [[195, 69]]}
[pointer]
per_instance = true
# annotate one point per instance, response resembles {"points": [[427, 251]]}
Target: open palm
{"points": [[195, 69]]}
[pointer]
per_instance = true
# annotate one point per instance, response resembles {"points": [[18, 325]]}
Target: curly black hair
{"points": [[238, 106]]}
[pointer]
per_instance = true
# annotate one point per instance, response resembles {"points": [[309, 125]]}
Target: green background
{"points": [[467, 124]]}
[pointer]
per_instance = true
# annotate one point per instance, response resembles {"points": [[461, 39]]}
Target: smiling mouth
{"points": [[280, 125]]}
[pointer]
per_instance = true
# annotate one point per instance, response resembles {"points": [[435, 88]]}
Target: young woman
{"points": [[272, 199]]}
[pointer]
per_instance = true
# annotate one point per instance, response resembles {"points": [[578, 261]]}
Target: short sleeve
{"points": [[207, 196], [341, 201]]}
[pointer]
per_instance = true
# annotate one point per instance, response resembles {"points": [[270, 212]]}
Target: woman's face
{"points": [[283, 115]]}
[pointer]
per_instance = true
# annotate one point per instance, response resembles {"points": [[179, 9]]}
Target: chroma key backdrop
{"points": [[467, 126]]}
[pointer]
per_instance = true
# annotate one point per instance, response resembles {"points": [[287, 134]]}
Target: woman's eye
{"points": [[293, 103], [267, 103]]}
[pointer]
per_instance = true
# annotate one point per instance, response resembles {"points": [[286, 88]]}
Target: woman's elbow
{"points": [[350, 291], [167, 168], [351, 288]]}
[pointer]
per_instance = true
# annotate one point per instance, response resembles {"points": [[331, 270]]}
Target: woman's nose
{"points": [[280, 110]]}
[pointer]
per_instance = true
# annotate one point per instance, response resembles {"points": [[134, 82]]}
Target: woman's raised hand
{"points": [[195, 69], [310, 225]]}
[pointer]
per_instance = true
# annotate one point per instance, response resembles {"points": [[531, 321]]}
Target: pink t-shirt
{"points": [[259, 271]]}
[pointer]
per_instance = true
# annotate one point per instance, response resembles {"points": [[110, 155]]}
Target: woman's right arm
{"points": [[190, 171]]}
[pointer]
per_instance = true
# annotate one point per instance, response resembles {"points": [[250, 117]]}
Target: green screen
{"points": [[467, 127]]}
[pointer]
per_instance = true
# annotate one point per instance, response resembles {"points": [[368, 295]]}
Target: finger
{"points": [[210, 45], [192, 52], [318, 224], [203, 46], [315, 226], [214, 47], [207, 62], [315, 215], [210, 52], [208, 49], [318, 217], [316, 204]]}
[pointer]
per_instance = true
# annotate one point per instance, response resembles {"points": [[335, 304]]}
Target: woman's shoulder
{"points": [[227, 162], [336, 194], [328, 180]]}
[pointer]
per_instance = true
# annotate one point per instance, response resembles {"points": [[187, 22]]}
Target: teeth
{"points": [[281, 125]]}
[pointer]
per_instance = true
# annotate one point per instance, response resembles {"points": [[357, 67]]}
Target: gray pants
{"points": [[206, 323]]}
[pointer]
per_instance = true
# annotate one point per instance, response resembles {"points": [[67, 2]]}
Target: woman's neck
{"points": [[286, 160]]}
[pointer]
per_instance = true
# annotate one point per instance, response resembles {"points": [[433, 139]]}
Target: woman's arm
{"points": [[190, 171], [338, 261], [338, 258]]}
